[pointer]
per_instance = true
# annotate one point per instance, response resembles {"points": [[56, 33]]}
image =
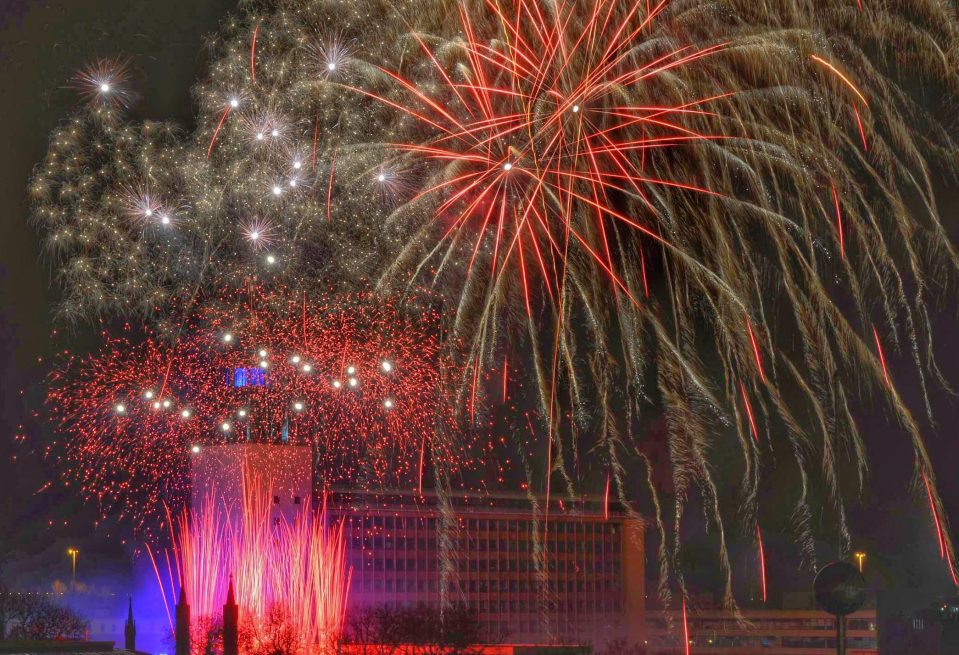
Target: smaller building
{"points": [[760, 632]]}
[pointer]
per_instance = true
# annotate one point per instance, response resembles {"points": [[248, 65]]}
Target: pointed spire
{"points": [[182, 595], [130, 629], [231, 619]]}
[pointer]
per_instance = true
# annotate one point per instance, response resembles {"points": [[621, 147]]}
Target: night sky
{"points": [[41, 45]]}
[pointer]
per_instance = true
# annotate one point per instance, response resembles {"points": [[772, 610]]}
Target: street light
{"points": [[860, 558], [73, 552]]}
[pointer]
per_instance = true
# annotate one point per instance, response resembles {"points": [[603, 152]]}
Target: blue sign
{"points": [[252, 376]]}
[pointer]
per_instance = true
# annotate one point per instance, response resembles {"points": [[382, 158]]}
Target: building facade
{"points": [[574, 576], [761, 632]]}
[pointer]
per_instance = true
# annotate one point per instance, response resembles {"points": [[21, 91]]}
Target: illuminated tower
{"points": [[231, 620], [130, 629], [182, 628]]}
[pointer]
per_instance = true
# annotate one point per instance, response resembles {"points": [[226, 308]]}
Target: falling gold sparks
{"points": [[544, 175]]}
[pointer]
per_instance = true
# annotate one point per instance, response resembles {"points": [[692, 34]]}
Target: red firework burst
{"points": [[536, 129], [357, 378]]}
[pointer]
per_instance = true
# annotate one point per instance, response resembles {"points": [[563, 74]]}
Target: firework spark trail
{"points": [[606, 499], [935, 517], [839, 227], [882, 357], [841, 76], [756, 353], [762, 560], [749, 411], [256, 32], [296, 567], [216, 132], [862, 129]]}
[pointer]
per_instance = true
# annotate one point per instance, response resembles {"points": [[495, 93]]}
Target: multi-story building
{"points": [[572, 576], [576, 577], [760, 632]]}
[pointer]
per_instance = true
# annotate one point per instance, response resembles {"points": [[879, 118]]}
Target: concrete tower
{"points": [[130, 629], [182, 629], [284, 473], [231, 621]]}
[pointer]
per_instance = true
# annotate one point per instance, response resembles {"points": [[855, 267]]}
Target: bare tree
{"points": [[275, 634], [37, 617], [12, 609], [421, 628]]}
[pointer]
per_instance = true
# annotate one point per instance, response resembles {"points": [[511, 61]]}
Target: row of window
{"points": [[502, 525], [608, 588], [484, 586], [496, 630], [564, 569], [596, 548], [484, 606], [738, 641], [771, 623]]}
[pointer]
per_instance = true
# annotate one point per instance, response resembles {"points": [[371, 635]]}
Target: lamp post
{"points": [[73, 552], [860, 558]]}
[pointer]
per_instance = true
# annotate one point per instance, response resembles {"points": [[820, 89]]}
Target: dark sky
{"points": [[41, 45]]}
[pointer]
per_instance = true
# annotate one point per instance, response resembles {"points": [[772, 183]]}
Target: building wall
{"points": [[764, 632], [587, 588]]}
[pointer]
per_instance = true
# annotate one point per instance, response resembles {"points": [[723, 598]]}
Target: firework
{"points": [[559, 144], [105, 84], [290, 576], [356, 379], [618, 195]]}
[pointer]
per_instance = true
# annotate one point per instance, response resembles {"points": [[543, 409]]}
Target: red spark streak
{"points": [[756, 353], [749, 411], [762, 559], [952, 569], [935, 516], [839, 229], [685, 628], [505, 376], [606, 499], [256, 31], [862, 130], [226, 112], [642, 263], [882, 357]]}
